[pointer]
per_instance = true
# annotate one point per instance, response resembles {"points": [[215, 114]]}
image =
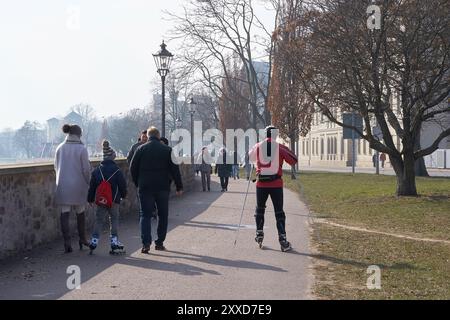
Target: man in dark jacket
{"points": [[150, 169], [142, 139], [223, 169], [109, 171]]}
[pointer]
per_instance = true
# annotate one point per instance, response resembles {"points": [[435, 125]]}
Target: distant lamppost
{"points": [[192, 104], [163, 59]]}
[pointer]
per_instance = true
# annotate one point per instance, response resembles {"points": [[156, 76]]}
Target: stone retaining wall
{"points": [[28, 215]]}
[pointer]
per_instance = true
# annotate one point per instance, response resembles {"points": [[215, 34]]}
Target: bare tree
{"points": [[124, 131], [396, 77], [29, 139], [291, 108], [89, 121], [214, 31]]}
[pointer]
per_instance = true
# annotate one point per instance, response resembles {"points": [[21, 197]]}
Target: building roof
{"points": [[73, 116], [53, 120]]}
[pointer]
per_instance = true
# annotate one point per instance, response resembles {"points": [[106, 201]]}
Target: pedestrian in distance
{"points": [[204, 160], [268, 157], [150, 169], [235, 167], [382, 159], [142, 139], [223, 169], [374, 160], [247, 167], [107, 188], [72, 169]]}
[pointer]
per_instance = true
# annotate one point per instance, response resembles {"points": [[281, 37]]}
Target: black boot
{"points": [[81, 224], [65, 228], [259, 237], [285, 245]]}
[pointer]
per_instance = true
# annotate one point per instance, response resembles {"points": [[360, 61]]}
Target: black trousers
{"points": [[206, 180], [276, 195], [148, 199], [224, 182]]}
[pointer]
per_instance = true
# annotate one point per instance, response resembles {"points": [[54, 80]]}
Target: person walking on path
{"points": [[235, 167], [150, 169], [269, 156], [247, 167], [110, 172], [382, 159], [374, 160], [223, 169], [204, 160], [72, 169], [142, 139]]}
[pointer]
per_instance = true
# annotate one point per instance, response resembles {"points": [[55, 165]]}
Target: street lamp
{"points": [[192, 104], [163, 59]]}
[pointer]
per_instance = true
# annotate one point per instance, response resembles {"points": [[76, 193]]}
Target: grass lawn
{"points": [[409, 269]]}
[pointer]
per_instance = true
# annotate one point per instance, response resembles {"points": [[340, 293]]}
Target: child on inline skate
{"points": [[107, 188]]}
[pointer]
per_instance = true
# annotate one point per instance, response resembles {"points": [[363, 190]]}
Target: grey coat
{"points": [[72, 169]]}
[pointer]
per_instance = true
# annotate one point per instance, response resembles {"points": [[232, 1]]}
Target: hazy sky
{"points": [[51, 60]]}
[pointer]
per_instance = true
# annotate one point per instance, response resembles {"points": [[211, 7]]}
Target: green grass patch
{"points": [[410, 269], [369, 201]]}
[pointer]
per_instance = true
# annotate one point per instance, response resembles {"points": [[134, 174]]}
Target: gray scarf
{"points": [[73, 139]]}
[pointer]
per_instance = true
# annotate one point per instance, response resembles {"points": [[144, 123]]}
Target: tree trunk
{"points": [[293, 176], [420, 168], [254, 118], [406, 178]]}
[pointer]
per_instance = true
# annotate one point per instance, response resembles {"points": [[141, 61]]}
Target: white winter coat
{"points": [[73, 171]]}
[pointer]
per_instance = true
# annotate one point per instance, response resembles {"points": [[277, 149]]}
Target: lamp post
{"points": [[192, 104], [163, 59]]}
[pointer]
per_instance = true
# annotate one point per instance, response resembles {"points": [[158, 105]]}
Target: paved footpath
{"points": [[385, 171], [201, 262]]}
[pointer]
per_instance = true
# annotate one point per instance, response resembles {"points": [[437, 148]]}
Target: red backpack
{"points": [[103, 196]]}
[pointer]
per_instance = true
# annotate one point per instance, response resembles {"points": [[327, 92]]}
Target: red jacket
{"points": [[274, 166]]}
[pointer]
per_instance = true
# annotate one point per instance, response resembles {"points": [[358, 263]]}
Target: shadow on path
{"points": [[42, 273], [399, 266]]}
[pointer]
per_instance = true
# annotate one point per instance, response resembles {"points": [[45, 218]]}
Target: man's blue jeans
{"points": [[148, 199]]}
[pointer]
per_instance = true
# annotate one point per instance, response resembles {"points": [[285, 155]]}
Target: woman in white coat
{"points": [[72, 168]]}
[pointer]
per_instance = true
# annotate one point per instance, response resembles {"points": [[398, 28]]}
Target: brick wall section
{"points": [[28, 215]]}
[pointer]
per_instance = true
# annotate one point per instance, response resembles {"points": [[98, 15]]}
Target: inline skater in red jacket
{"points": [[268, 157]]}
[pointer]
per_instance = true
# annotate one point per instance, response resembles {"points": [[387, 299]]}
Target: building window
{"points": [[307, 148], [365, 147], [303, 147]]}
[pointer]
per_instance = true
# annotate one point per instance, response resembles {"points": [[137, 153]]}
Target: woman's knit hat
{"points": [[108, 152]]}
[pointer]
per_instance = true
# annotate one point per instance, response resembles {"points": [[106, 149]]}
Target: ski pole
{"points": [[243, 207]]}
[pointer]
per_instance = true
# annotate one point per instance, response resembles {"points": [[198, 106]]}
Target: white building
{"points": [[324, 146]]}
